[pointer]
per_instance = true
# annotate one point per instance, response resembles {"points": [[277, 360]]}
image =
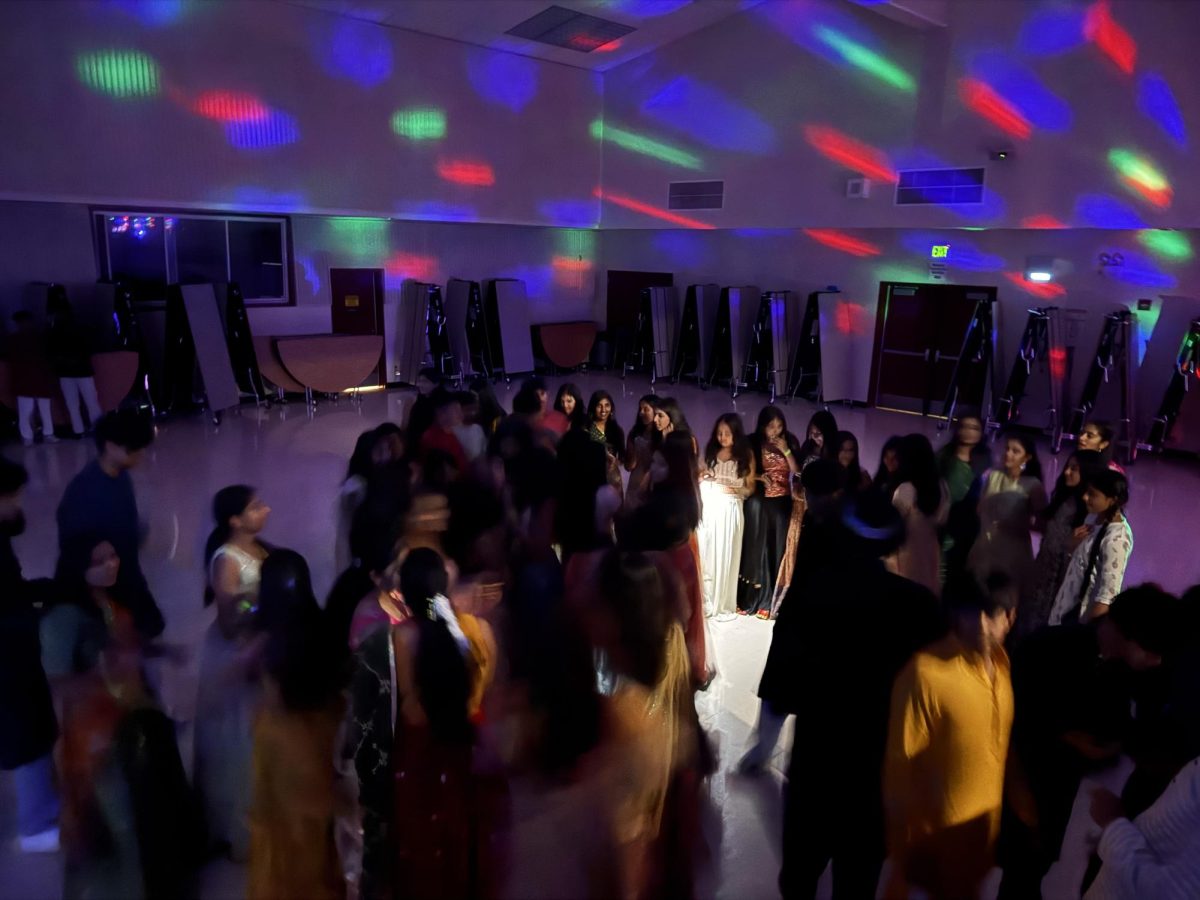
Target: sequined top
{"points": [[777, 471]]}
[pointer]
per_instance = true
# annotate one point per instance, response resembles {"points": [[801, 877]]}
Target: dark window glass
{"points": [[200, 251], [137, 256], [256, 258]]}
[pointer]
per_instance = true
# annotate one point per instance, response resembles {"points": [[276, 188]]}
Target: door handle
{"points": [[937, 354], [927, 352]]}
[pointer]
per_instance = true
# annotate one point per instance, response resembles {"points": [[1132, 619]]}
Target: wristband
{"points": [[787, 453]]}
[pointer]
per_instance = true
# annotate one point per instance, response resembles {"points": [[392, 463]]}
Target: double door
{"points": [[919, 342]]}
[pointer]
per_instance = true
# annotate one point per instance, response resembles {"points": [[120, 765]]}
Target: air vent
{"points": [[939, 186], [696, 195], [562, 27]]}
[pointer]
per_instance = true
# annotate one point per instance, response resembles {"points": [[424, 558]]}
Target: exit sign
{"points": [[939, 251]]}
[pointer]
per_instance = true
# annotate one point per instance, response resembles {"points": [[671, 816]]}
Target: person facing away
{"points": [[70, 355], [100, 501], [952, 713]]}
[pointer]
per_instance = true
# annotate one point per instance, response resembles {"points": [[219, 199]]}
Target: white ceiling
{"points": [[484, 22]]}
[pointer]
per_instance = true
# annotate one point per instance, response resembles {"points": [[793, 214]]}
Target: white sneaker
{"points": [[44, 842]]}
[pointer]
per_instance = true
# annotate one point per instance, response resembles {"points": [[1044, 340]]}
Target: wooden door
{"points": [[357, 298]]}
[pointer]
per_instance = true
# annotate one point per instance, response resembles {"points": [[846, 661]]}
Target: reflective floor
{"points": [[297, 461]]}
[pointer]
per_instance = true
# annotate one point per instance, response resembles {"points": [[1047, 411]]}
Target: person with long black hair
{"points": [[639, 447], [604, 428], [820, 443], [961, 463], [725, 483], [444, 662], [922, 499], [669, 417], [1097, 569], [376, 451], [569, 402], [228, 691], [852, 476], [1011, 496], [294, 782], [885, 476], [767, 512], [1065, 513]]}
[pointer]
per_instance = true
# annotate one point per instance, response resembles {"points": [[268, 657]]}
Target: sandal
{"points": [[763, 614]]}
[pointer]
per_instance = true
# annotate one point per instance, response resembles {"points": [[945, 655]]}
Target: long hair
{"points": [[679, 453], [1033, 467], [300, 654], [740, 450], [674, 412], [632, 589], [227, 502], [918, 465], [639, 427], [443, 682], [850, 477], [614, 434], [578, 418], [824, 422], [981, 454], [758, 440], [1107, 434], [1091, 463], [1115, 486], [582, 470], [885, 481]]}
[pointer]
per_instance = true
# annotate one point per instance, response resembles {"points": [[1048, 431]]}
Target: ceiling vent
{"points": [[562, 27], [939, 186], [696, 195]]}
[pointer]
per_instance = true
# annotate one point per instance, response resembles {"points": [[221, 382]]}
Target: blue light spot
{"points": [[1041, 106], [537, 280], [575, 213], [154, 13], [645, 9], [275, 130], [961, 255], [252, 197], [503, 78], [1157, 101], [682, 248], [436, 211], [1103, 211], [1052, 31], [356, 50], [711, 117]]}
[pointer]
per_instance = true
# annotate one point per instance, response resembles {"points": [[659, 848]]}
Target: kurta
{"points": [[944, 770]]}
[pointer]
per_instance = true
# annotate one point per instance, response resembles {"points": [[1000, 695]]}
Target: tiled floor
{"points": [[297, 461]]}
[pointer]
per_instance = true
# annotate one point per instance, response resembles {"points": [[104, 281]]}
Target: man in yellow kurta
{"points": [[952, 711]]}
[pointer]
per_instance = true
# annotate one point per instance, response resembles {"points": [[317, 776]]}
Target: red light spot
{"points": [[1058, 363], [982, 99], [841, 148], [1160, 197], [610, 46], [849, 318], [653, 211], [469, 173], [1042, 221], [1115, 42], [1045, 290], [230, 106], [566, 264], [839, 240], [411, 265]]}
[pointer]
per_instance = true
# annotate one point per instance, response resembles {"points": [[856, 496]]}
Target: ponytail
{"points": [[229, 502]]}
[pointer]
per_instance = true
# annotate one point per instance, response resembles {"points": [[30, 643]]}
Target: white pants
{"points": [[74, 390], [25, 417]]}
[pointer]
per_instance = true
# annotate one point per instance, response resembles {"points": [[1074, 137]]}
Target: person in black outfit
{"points": [[855, 627], [99, 502], [1075, 689], [28, 728]]}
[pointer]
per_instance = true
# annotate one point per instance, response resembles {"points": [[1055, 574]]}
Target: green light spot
{"points": [[576, 243], [1171, 245], [863, 58], [1137, 169], [419, 123], [636, 143], [119, 73], [359, 238]]}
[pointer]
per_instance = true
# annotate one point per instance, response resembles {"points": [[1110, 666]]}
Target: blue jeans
{"points": [[37, 798]]}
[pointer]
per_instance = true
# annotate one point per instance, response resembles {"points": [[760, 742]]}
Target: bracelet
{"points": [[787, 453]]}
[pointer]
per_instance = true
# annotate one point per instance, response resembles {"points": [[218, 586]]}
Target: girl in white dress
{"points": [[228, 691], [1096, 571], [725, 482]]}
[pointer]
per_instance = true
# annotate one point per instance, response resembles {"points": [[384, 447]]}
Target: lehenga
{"points": [[767, 516], [720, 538], [1005, 512]]}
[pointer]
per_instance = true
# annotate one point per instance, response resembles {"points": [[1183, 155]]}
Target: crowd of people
{"points": [[497, 697]]}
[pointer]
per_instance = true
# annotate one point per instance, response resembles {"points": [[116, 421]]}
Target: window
{"points": [[150, 250]]}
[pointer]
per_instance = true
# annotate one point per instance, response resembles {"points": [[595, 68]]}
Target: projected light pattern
{"points": [[1051, 32], [1147, 320], [855, 155], [358, 238], [711, 117], [1172, 245], [842, 242], [585, 213], [470, 174], [647, 209], [119, 73], [230, 106], [1142, 176], [254, 198], [982, 100], [1043, 290], [1158, 103], [1023, 90], [154, 13], [865, 59], [503, 78], [683, 248], [276, 129], [1115, 42], [402, 265], [959, 253], [636, 143], [421, 123], [1138, 269], [1058, 363], [576, 243], [1042, 221], [850, 318], [644, 9], [1103, 211], [357, 51], [437, 211]]}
